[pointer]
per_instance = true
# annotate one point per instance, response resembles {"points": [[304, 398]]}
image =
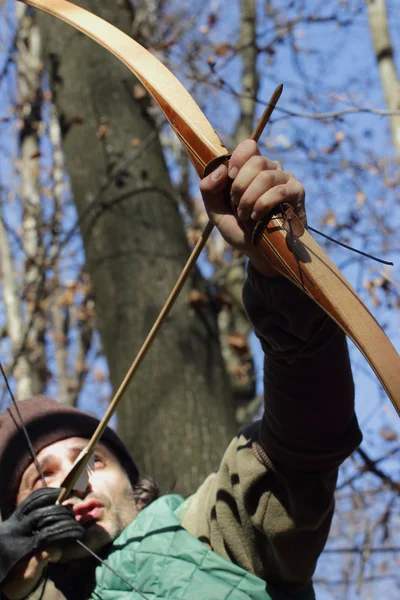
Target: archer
{"points": [[255, 528]]}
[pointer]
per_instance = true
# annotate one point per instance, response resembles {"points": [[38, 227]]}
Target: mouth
{"points": [[89, 512]]}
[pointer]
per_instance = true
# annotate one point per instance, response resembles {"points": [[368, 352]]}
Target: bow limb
{"points": [[301, 260], [297, 257], [185, 117]]}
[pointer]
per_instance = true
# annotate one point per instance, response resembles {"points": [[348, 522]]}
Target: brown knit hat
{"points": [[47, 422]]}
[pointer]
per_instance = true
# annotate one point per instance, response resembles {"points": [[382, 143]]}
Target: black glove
{"points": [[37, 523]]}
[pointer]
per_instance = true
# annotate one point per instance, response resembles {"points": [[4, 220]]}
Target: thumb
{"points": [[212, 188]]}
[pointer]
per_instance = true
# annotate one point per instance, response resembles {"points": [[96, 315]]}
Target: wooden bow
{"points": [[283, 240]]}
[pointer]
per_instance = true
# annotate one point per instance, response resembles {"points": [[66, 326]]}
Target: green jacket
{"points": [[162, 560]]}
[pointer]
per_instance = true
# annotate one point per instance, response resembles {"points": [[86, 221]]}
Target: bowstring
{"points": [[40, 471], [331, 239]]}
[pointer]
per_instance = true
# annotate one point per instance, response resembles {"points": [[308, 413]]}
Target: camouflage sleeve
{"points": [[269, 506], [309, 422], [270, 524]]}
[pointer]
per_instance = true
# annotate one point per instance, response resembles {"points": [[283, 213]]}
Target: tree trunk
{"points": [[177, 415], [378, 24]]}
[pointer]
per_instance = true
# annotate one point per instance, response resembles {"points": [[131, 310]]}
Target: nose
{"points": [[82, 486], [77, 494], [81, 493]]}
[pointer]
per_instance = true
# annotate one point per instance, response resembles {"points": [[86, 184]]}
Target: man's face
{"points": [[105, 508]]}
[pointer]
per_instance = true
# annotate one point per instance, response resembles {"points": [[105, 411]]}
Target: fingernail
{"points": [[233, 172], [217, 173], [254, 215], [240, 213]]}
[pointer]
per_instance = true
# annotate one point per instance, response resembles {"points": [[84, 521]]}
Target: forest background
{"points": [[99, 208]]}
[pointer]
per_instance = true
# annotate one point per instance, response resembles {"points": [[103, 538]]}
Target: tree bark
{"points": [[250, 82], [177, 415], [378, 24]]}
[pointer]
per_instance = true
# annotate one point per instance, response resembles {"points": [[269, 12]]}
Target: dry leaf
{"points": [[77, 120], [102, 131], [197, 300], [193, 235], [238, 342], [139, 91], [99, 375], [389, 434], [373, 170], [222, 49], [360, 199], [212, 19], [329, 218], [370, 287], [340, 136]]}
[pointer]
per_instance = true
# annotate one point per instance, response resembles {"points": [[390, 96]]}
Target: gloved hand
{"points": [[37, 523]]}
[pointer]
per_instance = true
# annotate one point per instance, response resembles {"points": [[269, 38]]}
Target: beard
{"points": [[116, 515]]}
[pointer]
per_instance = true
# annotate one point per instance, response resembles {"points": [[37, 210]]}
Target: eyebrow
{"points": [[47, 460], [44, 462]]}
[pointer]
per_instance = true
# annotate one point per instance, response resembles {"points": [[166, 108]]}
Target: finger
{"points": [[50, 555], [44, 516], [212, 189], [262, 183], [215, 182], [59, 539], [48, 527], [33, 566], [30, 568], [39, 498], [291, 192], [254, 167], [43, 555], [244, 151], [46, 523]]}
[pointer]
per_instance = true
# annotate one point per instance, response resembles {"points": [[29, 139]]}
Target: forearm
{"points": [[309, 421]]}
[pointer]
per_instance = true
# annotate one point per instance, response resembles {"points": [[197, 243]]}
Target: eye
{"points": [[99, 462], [38, 484], [38, 481]]}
